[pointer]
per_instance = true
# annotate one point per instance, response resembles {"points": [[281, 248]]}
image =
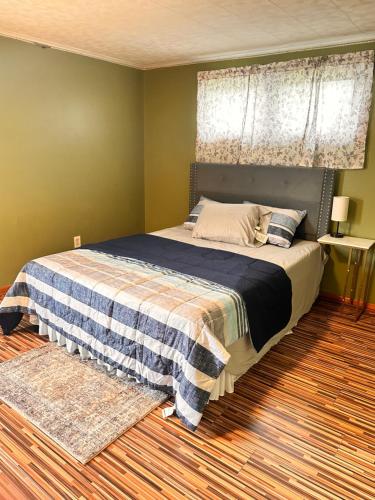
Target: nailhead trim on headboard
{"points": [[326, 202], [193, 186]]}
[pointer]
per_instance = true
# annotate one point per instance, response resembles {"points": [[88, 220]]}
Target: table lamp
{"points": [[339, 213]]}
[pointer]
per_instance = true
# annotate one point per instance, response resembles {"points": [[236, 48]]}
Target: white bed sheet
{"points": [[304, 264]]}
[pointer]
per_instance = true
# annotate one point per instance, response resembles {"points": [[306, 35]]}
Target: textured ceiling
{"points": [[155, 33]]}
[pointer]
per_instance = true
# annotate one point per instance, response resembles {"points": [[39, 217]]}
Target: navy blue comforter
{"points": [[265, 287]]}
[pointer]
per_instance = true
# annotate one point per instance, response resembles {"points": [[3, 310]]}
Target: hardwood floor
{"points": [[300, 425]]}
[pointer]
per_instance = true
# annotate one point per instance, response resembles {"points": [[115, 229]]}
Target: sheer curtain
{"points": [[309, 112]]}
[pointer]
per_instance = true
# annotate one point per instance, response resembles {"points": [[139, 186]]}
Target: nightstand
{"points": [[360, 262]]}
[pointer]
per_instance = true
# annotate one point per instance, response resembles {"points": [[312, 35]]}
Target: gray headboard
{"points": [[301, 188]]}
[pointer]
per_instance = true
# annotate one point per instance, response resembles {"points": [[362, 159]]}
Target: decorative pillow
{"points": [[194, 214], [229, 223], [282, 225]]}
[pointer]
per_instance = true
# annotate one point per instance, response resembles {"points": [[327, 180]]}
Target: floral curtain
{"points": [[309, 112]]}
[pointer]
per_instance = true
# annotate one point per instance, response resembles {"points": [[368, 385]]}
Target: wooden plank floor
{"points": [[300, 425]]}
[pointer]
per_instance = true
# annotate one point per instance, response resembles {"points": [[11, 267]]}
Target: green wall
{"points": [[169, 147], [71, 152], [101, 150]]}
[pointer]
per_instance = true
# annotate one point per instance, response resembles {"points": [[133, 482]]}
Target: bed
{"points": [[173, 311], [304, 264]]}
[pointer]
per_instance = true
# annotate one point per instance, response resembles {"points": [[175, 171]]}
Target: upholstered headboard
{"points": [[301, 188]]}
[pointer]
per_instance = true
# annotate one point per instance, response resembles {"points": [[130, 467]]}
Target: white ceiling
{"points": [[155, 33]]}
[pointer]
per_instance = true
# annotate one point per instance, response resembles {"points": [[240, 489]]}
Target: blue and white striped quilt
{"points": [[164, 327]]}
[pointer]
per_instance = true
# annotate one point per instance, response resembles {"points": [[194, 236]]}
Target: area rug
{"points": [[77, 403]]}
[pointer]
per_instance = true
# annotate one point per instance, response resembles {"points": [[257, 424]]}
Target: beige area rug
{"points": [[77, 403]]}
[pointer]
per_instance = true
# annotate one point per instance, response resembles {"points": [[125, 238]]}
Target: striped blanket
{"points": [[164, 327]]}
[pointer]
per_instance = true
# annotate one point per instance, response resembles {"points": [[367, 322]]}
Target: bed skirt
{"points": [[72, 348], [224, 384]]}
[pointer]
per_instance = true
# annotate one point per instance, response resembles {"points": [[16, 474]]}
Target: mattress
{"points": [[304, 264]]}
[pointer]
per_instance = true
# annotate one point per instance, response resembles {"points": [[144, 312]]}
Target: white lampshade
{"points": [[340, 208]]}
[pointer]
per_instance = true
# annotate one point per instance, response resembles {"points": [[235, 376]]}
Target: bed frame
{"points": [[300, 188]]}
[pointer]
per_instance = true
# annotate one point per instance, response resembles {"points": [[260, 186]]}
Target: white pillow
{"points": [[194, 214], [230, 223]]}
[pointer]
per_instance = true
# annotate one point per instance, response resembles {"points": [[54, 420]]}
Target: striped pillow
{"points": [[282, 225], [194, 214]]}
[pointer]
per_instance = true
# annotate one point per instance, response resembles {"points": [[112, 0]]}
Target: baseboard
{"points": [[332, 297]]}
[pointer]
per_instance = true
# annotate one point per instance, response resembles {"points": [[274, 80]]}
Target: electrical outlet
{"points": [[77, 241]]}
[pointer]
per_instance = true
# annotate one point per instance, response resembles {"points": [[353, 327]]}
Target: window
{"points": [[307, 112]]}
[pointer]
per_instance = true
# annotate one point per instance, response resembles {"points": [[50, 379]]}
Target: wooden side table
{"points": [[360, 265]]}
